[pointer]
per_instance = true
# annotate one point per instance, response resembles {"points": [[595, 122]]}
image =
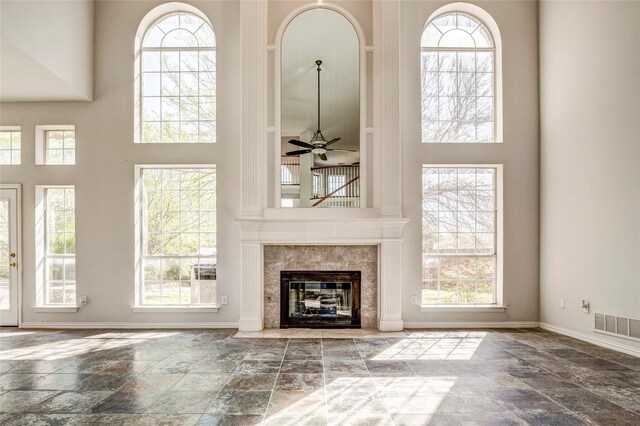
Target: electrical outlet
{"points": [[83, 300], [562, 303], [585, 306], [414, 300], [224, 300]]}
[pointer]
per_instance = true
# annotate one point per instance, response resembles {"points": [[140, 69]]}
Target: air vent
{"points": [[627, 328], [622, 326], [634, 328], [600, 322]]}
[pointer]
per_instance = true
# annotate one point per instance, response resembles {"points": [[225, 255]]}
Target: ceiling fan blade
{"points": [[323, 157], [302, 151], [300, 143], [343, 150], [331, 141]]}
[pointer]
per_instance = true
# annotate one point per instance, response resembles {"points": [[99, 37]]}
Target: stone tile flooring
{"points": [[210, 377]]}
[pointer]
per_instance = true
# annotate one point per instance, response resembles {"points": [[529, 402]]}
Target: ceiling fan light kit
{"points": [[318, 144]]}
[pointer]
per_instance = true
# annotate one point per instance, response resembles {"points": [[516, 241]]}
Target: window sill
{"points": [[463, 308], [176, 309], [55, 309]]}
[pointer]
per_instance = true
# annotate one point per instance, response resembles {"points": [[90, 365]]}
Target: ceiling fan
{"points": [[318, 144]]}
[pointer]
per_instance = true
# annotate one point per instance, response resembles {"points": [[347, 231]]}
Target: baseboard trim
{"points": [[122, 325], [474, 324], [605, 343]]}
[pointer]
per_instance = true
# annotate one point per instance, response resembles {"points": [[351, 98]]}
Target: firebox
{"points": [[320, 299]]}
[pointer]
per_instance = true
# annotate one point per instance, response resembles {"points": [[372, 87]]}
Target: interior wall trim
{"points": [[471, 324], [596, 340], [127, 325]]}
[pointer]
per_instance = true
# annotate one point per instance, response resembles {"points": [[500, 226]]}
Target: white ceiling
{"points": [[326, 35], [46, 49]]}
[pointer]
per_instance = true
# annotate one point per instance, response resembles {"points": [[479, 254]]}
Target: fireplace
{"points": [[320, 299]]}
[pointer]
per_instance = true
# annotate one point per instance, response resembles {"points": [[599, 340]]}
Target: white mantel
{"points": [[381, 225]]}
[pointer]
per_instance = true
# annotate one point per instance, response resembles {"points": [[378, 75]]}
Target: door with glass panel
{"points": [[9, 275]]}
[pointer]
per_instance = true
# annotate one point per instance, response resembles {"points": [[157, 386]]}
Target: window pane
{"points": [[179, 206], [457, 70], [60, 147], [59, 259], [10, 147], [458, 225], [180, 69]]}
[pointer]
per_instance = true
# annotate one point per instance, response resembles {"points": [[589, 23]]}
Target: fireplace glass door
{"points": [[320, 301]]}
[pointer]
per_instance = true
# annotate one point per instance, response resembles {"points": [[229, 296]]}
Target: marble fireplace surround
{"points": [[363, 258]]}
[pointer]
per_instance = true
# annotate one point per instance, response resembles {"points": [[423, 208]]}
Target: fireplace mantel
{"points": [[317, 229], [386, 233]]}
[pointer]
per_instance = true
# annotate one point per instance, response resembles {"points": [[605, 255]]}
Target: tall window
{"points": [[460, 223], [59, 239], [176, 81], [177, 213], [458, 70], [10, 145]]}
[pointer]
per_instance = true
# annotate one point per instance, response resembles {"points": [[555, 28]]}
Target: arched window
{"points": [[176, 80], [459, 80]]}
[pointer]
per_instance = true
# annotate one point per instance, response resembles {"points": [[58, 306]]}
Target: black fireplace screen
{"points": [[320, 299]]}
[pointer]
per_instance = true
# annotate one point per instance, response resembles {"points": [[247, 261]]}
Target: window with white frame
{"points": [[458, 70], [58, 239], [177, 241], [461, 221], [175, 86], [336, 183], [60, 147], [10, 145]]}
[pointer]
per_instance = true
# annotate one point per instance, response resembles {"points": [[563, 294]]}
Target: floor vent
{"points": [[627, 328]]}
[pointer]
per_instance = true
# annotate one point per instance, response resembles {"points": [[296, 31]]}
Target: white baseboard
{"points": [[593, 339], [123, 325], [472, 324]]}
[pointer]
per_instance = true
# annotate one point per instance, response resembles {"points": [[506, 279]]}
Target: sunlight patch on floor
{"points": [[65, 349], [432, 348]]}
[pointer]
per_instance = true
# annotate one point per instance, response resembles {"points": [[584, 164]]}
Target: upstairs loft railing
{"points": [[332, 186], [336, 186], [290, 170]]}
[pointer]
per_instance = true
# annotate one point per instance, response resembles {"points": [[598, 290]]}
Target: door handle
{"points": [[13, 264], [12, 255]]}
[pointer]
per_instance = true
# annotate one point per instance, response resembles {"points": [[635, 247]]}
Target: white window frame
{"points": [[42, 281], [41, 142], [498, 306], [13, 129], [139, 241], [158, 14], [492, 28]]}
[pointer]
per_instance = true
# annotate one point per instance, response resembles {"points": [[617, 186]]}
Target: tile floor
{"points": [[211, 377]]}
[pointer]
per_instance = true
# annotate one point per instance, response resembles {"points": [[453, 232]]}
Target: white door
{"points": [[9, 275]]}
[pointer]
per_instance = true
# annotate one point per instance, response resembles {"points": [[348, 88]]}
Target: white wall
{"points": [[590, 148], [517, 22], [46, 50], [105, 161], [106, 154]]}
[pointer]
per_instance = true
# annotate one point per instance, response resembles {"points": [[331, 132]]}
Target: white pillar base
{"points": [[390, 325], [250, 325]]}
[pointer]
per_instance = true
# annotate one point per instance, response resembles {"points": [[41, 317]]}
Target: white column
{"points": [[251, 317], [390, 291], [386, 64], [387, 142], [253, 30]]}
